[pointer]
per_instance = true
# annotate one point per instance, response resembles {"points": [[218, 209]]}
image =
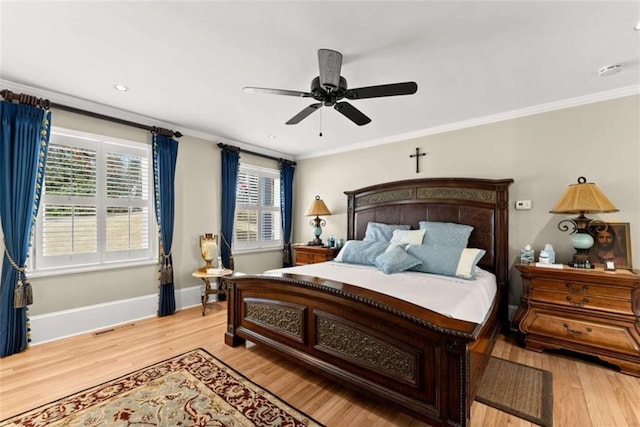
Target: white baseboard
{"points": [[66, 323]]}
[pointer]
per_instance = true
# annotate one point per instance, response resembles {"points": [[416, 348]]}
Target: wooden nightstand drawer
{"points": [[304, 258], [582, 288], [605, 335], [314, 254], [583, 300]]}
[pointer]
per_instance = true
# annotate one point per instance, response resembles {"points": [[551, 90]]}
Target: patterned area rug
{"points": [[193, 389], [517, 389]]}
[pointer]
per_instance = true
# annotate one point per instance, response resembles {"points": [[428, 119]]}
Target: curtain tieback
{"points": [[225, 241], [231, 262], [22, 294], [166, 269]]}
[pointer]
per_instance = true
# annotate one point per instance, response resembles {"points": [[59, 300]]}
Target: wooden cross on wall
{"points": [[417, 156]]}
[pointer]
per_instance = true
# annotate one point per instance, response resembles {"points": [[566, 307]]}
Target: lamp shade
{"points": [[318, 207], [583, 197]]}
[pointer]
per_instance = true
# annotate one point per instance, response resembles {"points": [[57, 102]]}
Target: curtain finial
{"points": [[23, 98]]}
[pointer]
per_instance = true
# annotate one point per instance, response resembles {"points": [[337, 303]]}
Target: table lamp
{"points": [[317, 208], [581, 198]]}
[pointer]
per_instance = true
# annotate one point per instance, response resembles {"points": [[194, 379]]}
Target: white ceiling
{"points": [[187, 62]]}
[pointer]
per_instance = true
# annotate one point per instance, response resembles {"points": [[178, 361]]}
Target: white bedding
{"points": [[461, 299]]}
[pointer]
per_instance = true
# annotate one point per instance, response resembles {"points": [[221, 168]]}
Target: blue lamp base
{"points": [[317, 224], [582, 241]]}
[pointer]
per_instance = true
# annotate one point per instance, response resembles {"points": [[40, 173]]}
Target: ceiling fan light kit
{"points": [[330, 88]]}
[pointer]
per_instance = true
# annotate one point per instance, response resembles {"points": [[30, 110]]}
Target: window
{"points": [[258, 224], [96, 206]]}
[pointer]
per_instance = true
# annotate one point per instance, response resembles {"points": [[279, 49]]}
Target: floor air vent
{"points": [[116, 328]]}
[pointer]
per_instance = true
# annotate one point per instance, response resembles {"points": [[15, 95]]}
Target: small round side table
{"points": [[206, 278]]}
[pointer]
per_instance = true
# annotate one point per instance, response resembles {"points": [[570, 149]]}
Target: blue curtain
{"points": [[165, 154], [287, 169], [230, 162], [24, 139]]}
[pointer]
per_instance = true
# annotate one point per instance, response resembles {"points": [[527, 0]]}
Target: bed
{"points": [[426, 363]]}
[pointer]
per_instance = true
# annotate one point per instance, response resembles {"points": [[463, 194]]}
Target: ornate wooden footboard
{"points": [[426, 363]]}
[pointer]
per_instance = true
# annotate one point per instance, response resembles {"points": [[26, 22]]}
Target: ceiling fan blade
{"points": [[352, 113], [330, 62], [393, 89], [277, 92], [303, 114]]}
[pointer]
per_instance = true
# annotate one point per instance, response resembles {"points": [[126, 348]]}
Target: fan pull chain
{"points": [[320, 135]]}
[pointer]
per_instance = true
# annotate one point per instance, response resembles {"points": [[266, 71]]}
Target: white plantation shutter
{"points": [[96, 205], [271, 226], [247, 225], [247, 192], [68, 212], [69, 229], [257, 223], [127, 194]]}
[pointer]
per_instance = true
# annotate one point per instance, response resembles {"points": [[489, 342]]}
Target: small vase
{"points": [[209, 249]]}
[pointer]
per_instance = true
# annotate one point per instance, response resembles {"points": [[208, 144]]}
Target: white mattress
{"points": [[460, 299]]}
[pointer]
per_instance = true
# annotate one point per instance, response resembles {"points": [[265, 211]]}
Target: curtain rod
{"points": [[46, 104], [266, 156]]}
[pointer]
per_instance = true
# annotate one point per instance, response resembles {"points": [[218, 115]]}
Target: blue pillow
{"points": [[361, 252], [378, 232], [446, 233], [395, 260], [446, 260]]}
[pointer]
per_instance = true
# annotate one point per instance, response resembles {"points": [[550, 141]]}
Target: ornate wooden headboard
{"points": [[482, 203]]}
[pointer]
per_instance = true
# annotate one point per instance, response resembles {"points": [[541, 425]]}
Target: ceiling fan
{"points": [[329, 88]]}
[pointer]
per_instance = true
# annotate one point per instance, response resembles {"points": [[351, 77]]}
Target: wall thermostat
{"points": [[523, 204]]}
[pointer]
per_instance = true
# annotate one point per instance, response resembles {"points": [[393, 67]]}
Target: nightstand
{"points": [[594, 312], [314, 254]]}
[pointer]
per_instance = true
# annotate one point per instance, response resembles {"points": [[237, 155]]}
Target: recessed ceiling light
{"points": [[120, 88], [610, 70], [637, 26], [271, 136]]}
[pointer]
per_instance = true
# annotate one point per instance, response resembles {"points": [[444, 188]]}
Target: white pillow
{"points": [[467, 264], [410, 237], [380, 232]]}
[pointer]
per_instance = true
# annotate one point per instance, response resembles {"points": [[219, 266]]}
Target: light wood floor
{"points": [[585, 394]]}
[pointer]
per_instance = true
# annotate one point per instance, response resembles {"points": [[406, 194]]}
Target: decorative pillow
{"points": [[411, 237], [446, 233], [378, 232], [338, 257], [395, 261], [360, 252], [446, 260]]}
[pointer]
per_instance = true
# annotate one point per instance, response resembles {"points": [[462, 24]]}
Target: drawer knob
{"points": [[581, 303], [575, 331], [577, 288]]}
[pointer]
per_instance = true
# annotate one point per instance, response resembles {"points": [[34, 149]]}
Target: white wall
{"points": [[543, 153], [197, 212]]}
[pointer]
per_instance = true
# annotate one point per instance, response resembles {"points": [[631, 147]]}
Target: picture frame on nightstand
{"points": [[610, 266], [611, 244]]}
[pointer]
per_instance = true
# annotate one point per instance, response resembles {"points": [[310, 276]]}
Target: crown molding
{"points": [[85, 104], [479, 121]]}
